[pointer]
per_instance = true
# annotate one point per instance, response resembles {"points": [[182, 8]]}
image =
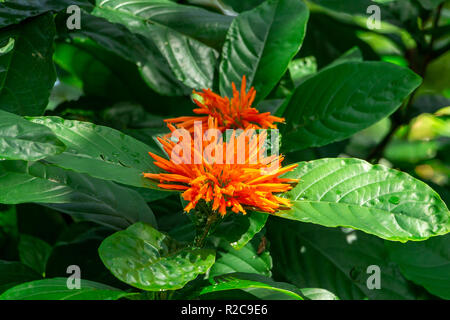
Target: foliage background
{"points": [[67, 185]]}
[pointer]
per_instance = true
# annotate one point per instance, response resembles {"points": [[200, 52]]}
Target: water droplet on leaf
{"points": [[394, 200]]}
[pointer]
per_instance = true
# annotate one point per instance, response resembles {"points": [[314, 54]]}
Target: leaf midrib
{"points": [[258, 61], [358, 206], [130, 14]]}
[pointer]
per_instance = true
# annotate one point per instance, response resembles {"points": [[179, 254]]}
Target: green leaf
{"points": [[78, 245], [147, 259], [203, 25], [430, 4], [77, 194], [354, 54], [328, 38], [349, 6], [8, 220], [40, 222], [318, 294], [342, 100], [8, 47], [12, 273], [270, 105], [311, 256], [248, 281], [300, 68], [260, 43], [27, 73], [34, 252], [173, 220], [373, 198], [437, 77], [101, 152], [396, 12], [426, 263], [240, 6], [63, 92], [246, 259], [101, 73], [57, 289], [403, 151], [169, 26], [139, 50], [14, 11], [239, 229], [22, 140]]}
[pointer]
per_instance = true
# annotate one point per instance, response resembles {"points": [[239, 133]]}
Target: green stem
{"points": [[201, 238]]}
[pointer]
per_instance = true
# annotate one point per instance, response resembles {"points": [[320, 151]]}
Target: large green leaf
{"points": [[57, 289], [34, 252], [373, 198], [239, 229], [147, 259], [27, 73], [426, 263], [14, 11], [311, 256], [77, 194], [12, 273], [23, 140], [260, 43], [251, 283], [246, 259], [170, 27], [101, 73], [101, 152], [342, 100], [194, 22], [139, 50]]}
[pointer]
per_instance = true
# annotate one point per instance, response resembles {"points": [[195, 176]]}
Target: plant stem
{"points": [[200, 240]]}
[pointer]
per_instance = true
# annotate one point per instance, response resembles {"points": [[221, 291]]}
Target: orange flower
{"points": [[230, 114], [251, 183]]}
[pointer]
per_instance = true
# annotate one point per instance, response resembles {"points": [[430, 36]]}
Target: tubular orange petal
{"points": [[226, 186], [231, 113]]}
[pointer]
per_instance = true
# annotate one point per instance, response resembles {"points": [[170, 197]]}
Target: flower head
{"points": [[233, 113], [252, 183]]}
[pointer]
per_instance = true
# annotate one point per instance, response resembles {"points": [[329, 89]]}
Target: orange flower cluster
{"points": [[252, 182], [234, 113]]}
